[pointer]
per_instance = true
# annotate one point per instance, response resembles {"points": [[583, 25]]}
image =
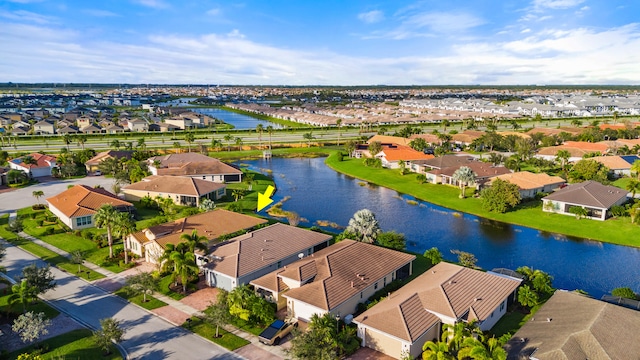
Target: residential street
{"points": [[147, 336], [12, 200]]}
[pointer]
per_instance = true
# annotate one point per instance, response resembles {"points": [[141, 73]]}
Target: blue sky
{"points": [[328, 42]]}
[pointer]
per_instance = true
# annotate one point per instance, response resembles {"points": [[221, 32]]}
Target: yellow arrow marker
{"points": [[265, 199]]}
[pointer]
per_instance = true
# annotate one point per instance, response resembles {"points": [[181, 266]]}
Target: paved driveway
{"points": [[19, 198], [147, 336]]}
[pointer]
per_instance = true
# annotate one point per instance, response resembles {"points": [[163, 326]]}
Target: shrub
{"points": [[50, 230], [618, 211], [340, 156], [78, 233], [39, 222], [87, 234]]}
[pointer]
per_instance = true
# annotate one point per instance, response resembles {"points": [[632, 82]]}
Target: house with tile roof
{"points": [[617, 165], [334, 280], [445, 294], [483, 171], [150, 243], [244, 258], [182, 190], [42, 167], [596, 198], [76, 206], [573, 326], [194, 165], [93, 164], [392, 155], [530, 184], [440, 162]]}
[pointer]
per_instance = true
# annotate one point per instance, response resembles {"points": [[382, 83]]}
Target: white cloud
{"points": [[577, 56], [27, 16], [556, 4], [156, 4], [99, 13], [428, 24], [371, 17], [525, 31], [214, 12]]}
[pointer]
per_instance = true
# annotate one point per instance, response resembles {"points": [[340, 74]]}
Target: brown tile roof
{"points": [[82, 200], [553, 151], [528, 180], [446, 289], [467, 136], [429, 138], [481, 169], [556, 131], [578, 327], [211, 224], [406, 153], [175, 185], [109, 154], [191, 164], [445, 161], [589, 193], [258, 249], [337, 267], [587, 146]]}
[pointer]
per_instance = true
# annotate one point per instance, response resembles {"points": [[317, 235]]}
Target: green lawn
{"points": [[246, 326], [616, 230], [163, 286], [512, 321], [227, 340], [152, 303], [37, 306], [76, 344], [277, 152]]}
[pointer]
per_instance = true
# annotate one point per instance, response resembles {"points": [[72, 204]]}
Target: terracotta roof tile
{"points": [[406, 153], [82, 200], [528, 180], [175, 185], [191, 164]]}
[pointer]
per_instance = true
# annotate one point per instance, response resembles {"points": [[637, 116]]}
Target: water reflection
{"points": [[319, 193]]}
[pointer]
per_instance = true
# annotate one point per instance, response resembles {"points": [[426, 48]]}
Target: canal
{"points": [[317, 193]]}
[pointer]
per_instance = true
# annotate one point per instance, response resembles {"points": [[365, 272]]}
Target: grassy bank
{"points": [[283, 152], [617, 230], [77, 344]]}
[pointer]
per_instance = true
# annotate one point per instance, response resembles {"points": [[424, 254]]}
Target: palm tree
{"points": [[105, 218], [115, 144], [216, 144], [81, 139], [38, 194], [249, 177], [269, 131], [67, 139], [308, 136], [189, 138], [238, 142], [633, 186], [259, 129], [141, 144], [527, 297], [635, 168], [436, 351], [464, 176], [178, 146], [228, 139], [364, 226], [237, 193], [339, 125], [185, 267], [563, 156], [124, 226], [195, 241], [23, 293], [476, 349]]}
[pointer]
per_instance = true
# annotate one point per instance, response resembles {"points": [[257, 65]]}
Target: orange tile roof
{"points": [[211, 224], [42, 161], [82, 200], [592, 147], [175, 185], [553, 150], [404, 153], [336, 268], [386, 139], [528, 180], [101, 156], [612, 162], [446, 289], [250, 252]]}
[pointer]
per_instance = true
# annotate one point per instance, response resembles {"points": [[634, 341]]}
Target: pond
{"points": [[239, 121], [318, 193]]}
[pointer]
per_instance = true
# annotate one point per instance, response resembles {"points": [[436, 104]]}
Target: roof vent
{"points": [[549, 319], [477, 299]]}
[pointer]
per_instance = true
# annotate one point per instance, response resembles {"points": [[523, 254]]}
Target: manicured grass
{"points": [[246, 326], [163, 286], [37, 306], [249, 202], [227, 340], [276, 152], [77, 344], [616, 230], [622, 183], [512, 321], [152, 303]]}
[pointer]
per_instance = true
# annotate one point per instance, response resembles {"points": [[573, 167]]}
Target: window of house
{"points": [[83, 220], [375, 287], [360, 295], [502, 306], [279, 264], [384, 282]]}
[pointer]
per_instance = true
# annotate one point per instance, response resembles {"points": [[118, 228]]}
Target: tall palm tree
{"points": [[308, 136], [67, 139], [270, 132], [141, 144], [633, 186], [105, 218], [364, 226], [635, 168], [185, 267], [238, 141], [23, 293], [38, 194], [259, 130], [81, 139], [124, 226], [228, 139], [189, 138], [464, 176], [115, 144], [563, 156], [195, 242], [339, 125]]}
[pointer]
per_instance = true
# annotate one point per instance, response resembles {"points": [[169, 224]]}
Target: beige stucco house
{"points": [[182, 190]]}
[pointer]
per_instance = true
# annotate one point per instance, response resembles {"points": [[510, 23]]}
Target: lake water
{"points": [[239, 121], [319, 193]]}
